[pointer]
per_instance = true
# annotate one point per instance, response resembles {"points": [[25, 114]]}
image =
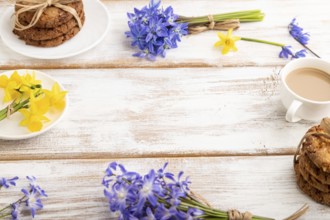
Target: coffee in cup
{"points": [[310, 83], [305, 89]]}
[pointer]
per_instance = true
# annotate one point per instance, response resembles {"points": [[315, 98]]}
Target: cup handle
{"points": [[290, 114]]}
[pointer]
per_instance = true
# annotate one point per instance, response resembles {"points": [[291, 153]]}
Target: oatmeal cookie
{"points": [[52, 16], [40, 34], [317, 148], [308, 177], [56, 41], [312, 169], [312, 192]]}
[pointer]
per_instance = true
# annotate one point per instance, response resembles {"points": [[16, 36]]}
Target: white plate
{"points": [[10, 128], [97, 24]]}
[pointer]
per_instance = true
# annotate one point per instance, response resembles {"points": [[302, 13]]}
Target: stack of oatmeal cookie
{"points": [[54, 27], [312, 166]]}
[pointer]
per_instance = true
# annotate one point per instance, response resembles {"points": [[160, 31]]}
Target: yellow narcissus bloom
{"points": [[30, 80], [56, 97], [11, 86], [227, 42], [29, 85], [34, 115], [30, 99], [3, 81]]}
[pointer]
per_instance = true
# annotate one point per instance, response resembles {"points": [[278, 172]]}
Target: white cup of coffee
{"points": [[305, 89]]}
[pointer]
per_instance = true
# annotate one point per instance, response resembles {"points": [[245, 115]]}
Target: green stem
{"points": [[262, 41], [19, 105], [5, 215], [210, 211], [4, 208], [16, 107], [8, 206], [3, 113], [243, 16]]}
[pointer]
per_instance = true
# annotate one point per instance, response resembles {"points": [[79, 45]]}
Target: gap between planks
{"points": [[107, 156], [121, 65]]}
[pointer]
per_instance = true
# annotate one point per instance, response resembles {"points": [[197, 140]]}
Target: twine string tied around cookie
{"points": [[39, 6], [213, 25], [318, 134]]}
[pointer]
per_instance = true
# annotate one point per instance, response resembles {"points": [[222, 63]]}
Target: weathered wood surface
{"points": [[168, 112], [218, 118], [197, 50], [263, 185]]}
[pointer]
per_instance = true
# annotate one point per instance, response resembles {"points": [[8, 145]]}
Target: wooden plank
{"points": [[195, 51], [166, 112], [75, 191]]}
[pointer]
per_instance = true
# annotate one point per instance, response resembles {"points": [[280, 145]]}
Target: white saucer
{"points": [[97, 25], [10, 128]]}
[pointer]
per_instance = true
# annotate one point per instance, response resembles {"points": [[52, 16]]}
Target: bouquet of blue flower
{"points": [[161, 195], [30, 199], [154, 30]]}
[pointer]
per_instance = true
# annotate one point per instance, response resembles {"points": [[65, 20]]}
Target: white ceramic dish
{"points": [[97, 24], [10, 128]]}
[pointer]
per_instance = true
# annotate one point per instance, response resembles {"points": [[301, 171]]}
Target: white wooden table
{"points": [[218, 118]]}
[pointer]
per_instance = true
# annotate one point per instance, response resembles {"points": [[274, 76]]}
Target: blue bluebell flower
{"points": [[287, 52], [121, 194], [156, 195], [300, 53], [178, 185], [109, 173], [164, 213], [297, 32], [149, 215], [150, 188], [146, 53], [162, 174], [112, 167], [6, 183], [193, 212], [14, 211], [35, 186], [33, 195], [116, 215], [154, 30], [31, 198], [32, 201], [174, 197]]}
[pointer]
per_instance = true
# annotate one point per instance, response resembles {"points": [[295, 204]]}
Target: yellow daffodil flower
{"points": [[227, 41], [30, 99], [29, 85], [3, 81], [30, 79], [39, 105], [56, 97], [11, 86], [34, 122], [34, 116]]}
